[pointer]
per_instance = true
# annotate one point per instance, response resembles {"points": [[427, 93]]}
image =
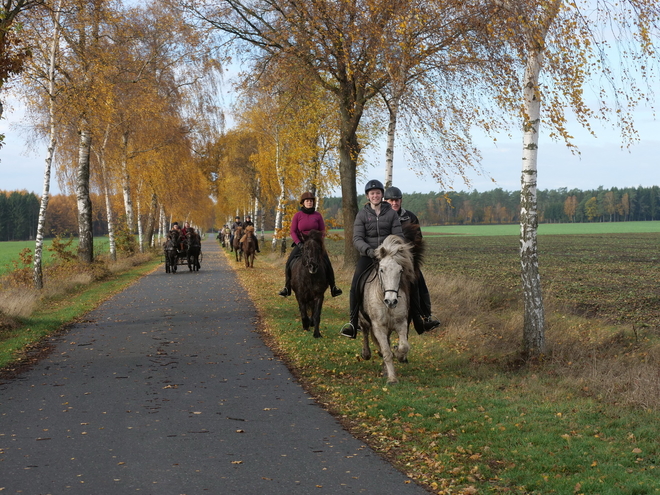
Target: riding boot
{"points": [[256, 243], [286, 291], [350, 329], [429, 321], [414, 312], [334, 290]]}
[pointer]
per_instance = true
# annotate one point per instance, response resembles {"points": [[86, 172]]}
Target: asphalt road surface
{"points": [[168, 389]]}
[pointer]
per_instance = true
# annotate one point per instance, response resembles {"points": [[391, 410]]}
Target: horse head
{"points": [[312, 250], [395, 268]]}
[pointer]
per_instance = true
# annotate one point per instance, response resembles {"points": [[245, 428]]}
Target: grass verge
{"points": [[22, 337], [466, 418]]}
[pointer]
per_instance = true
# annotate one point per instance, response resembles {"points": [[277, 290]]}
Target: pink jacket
{"points": [[303, 222]]}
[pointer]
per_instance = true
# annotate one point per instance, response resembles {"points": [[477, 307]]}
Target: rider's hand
{"points": [[371, 253]]}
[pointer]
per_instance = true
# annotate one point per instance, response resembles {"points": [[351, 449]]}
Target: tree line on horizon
{"points": [[498, 206], [19, 210]]}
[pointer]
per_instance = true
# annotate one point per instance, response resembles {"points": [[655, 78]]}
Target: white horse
{"points": [[386, 302]]}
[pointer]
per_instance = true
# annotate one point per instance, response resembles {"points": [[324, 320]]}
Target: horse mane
{"points": [[315, 236], [402, 252], [249, 229]]}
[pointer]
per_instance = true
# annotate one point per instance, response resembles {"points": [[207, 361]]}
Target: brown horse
{"points": [[309, 281], [170, 250], [238, 233], [249, 246], [194, 248]]}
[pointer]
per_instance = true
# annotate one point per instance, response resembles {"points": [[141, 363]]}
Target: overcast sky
{"points": [[602, 162]]}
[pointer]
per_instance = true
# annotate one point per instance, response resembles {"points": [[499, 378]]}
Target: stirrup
{"points": [[348, 330], [430, 322], [285, 292], [335, 291]]}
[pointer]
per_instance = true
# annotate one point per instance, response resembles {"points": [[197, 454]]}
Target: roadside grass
{"points": [[28, 316], [467, 416], [9, 251]]}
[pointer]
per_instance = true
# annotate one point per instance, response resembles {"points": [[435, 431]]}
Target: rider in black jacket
{"points": [[394, 197]]}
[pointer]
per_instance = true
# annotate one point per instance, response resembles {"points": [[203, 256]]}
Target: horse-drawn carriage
{"points": [[182, 249]]}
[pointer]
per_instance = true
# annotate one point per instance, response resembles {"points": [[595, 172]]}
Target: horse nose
{"points": [[391, 302]]}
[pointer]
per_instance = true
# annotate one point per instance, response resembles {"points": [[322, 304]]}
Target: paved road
{"points": [[167, 389]]}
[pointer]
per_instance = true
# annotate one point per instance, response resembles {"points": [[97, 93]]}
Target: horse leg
{"points": [[366, 350], [318, 307], [383, 341], [402, 349], [304, 319]]}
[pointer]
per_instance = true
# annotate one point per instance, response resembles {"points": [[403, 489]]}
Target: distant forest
{"points": [[499, 206], [19, 210]]}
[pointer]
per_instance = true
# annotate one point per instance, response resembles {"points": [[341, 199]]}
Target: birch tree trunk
{"points": [[126, 184], [149, 234], [100, 156], [281, 200], [84, 202], [139, 223], [534, 314], [45, 195], [393, 107], [108, 211]]}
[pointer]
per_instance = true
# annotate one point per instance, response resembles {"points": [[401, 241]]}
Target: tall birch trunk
{"points": [[393, 107], [45, 195], [139, 223], [84, 202], [281, 201], [100, 156], [126, 184], [112, 242], [149, 234], [534, 314]]}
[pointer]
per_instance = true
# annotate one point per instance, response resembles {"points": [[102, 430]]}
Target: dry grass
{"points": [[618, 364], [18, 298]]}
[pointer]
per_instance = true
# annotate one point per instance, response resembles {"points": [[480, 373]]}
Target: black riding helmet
{"points": [[393, 193], [374, 184]]}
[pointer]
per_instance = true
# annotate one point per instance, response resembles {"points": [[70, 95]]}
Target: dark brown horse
{"points": [[249, 246], [309, 281], [194, 248], [238, 233], [170, 248]]}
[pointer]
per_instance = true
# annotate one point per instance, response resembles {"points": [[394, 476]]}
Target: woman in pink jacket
{"points": [[303, 221]]}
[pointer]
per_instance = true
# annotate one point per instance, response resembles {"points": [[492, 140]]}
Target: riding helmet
{"points": [[393, 193], [374, 184], [306, 195]]}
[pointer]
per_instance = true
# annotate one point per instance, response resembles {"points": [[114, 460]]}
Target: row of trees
{"points": [[554, 206], [125, 96]]}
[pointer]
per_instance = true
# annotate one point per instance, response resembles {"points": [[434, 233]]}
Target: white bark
{"points": [[393, 107], [534, 314], [126, 184], [84, 202], [52, 142], [281, 201], [139, 225], [100, 156]]}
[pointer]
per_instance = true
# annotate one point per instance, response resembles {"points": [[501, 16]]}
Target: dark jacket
{"points": [[369, 230], [408, 217]]}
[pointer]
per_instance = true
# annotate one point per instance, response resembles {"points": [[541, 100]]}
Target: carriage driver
{"points": [[394, 197], [303, 221], [372, 225]]}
